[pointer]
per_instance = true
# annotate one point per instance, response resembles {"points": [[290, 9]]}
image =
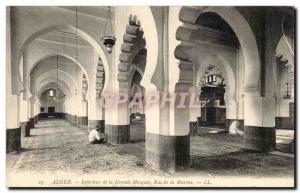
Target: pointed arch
{"points": [[241, 28], [81, 33]]}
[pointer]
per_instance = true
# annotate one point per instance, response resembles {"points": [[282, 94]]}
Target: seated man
{"points": [[94, 137]]}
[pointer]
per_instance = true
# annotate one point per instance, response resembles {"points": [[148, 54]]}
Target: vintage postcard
{"points": [[150, 96]]}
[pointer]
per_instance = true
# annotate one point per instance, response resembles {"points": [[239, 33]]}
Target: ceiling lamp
{"points": [[108, 40], [58, 95]]}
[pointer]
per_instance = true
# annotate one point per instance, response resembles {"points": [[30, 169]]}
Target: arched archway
{"points": [[251, 93], [215, 64], [52, 73], [53, 84], [80, 32], [47, 55], [243, 33], [283, 72], [52, 108], [63, 70], [49, 84], [216, 35], [224, 67], [133, 43], [284, 66]]}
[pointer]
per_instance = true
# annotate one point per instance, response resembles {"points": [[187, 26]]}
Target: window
{"points": [[42, 109], [214, 78], [51, 93]]}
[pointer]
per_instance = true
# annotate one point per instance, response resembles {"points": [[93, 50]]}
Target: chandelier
{"points": [[57, 95], [108, 40]]}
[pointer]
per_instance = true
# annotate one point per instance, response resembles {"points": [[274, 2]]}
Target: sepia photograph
{"points": [[150, 96]]}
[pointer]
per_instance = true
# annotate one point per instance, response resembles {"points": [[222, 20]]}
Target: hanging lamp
{"points": [[58, 95], [287, 93], [108, 40]]}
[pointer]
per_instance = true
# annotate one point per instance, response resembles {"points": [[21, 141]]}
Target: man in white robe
{"points": [[94, 136]]}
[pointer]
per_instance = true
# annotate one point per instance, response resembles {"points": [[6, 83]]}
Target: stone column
{"points": [[95, 110], [167, 137], [74, 110], [31, 115], [38, 111], [96, 114], [195, 112], [67, 104], [117, 118], [24, 121], [259, 117], [199, 115], [117, 123], [35, 113], [259, 112], [13, 130], [167, 127], [69, 109], [84, 115], [78, 109], [81, 108]]}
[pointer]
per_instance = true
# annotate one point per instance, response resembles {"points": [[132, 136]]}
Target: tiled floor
{"points": [[57, 146]]}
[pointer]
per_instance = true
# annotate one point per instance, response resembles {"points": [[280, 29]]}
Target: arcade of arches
{"points": [[238, 61]]}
